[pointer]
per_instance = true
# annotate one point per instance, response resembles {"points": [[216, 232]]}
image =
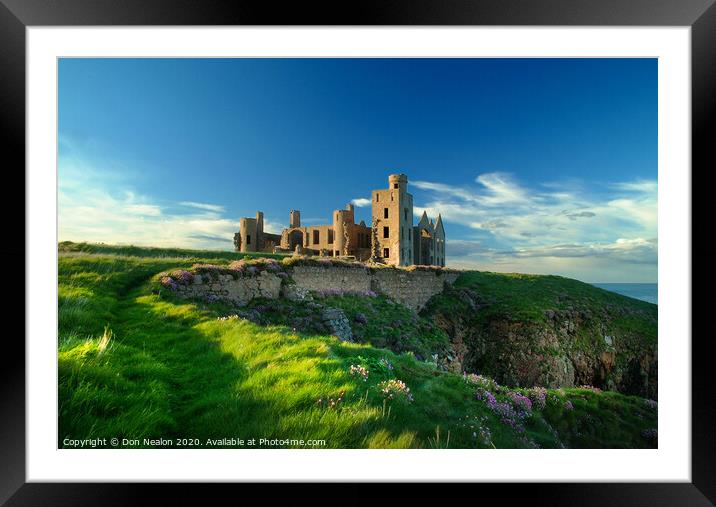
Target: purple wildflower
{"points": [[169, 283], [522, 403], [182, 276]]}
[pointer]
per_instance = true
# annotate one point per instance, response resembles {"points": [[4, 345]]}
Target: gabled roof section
{"points": [[424, 220], [439, 224]]}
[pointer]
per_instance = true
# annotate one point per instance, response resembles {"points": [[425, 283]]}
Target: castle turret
{"points": [[251, 233], [247, 231], [339, 230], [343, 219], [294, 219], [398, 181], [259, 229]]}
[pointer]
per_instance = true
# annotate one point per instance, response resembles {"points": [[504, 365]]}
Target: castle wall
{"points": [[410, 288], [239, 292], [332, 277], [323, 234]]}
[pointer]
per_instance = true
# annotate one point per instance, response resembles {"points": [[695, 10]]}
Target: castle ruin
{"points": [[390, 239]]}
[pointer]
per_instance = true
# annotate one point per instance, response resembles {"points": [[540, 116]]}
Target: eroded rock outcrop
{"points": [[565, 348]]}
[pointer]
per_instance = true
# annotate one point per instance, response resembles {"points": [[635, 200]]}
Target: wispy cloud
{"points": [[200, 205], [149, 210], [562, 225], [97, 204], [361, 202], [94, 215]]}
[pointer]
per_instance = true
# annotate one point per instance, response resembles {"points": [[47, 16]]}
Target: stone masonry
{"points": [[412, 288], [239, 292]]}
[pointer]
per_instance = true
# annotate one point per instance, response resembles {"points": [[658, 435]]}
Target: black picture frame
{"points": [[16, 15]]}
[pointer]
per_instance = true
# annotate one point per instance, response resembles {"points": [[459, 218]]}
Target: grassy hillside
{"points": [[135, 362], [531, 297]]}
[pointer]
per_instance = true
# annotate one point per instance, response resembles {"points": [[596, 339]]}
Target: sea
{"points": [[645, 291]]}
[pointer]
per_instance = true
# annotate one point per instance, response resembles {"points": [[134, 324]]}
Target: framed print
{"points": [[419, 245]]}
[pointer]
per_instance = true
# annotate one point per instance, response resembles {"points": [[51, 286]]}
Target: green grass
{"points": [[142, 251], [387, 324], [134, 362], [527, 297]]}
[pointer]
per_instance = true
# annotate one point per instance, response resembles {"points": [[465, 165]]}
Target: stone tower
{"points": [[251, 233], [343, 220], [294, 219], [393, 218]]}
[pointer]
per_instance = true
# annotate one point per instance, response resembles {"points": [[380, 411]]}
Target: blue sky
{"points": [[537, 165]]}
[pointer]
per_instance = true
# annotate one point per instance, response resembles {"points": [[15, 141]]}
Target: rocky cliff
{"points": [[549, 331]]}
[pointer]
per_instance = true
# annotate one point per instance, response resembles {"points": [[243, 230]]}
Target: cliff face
{"points": [[549, 331]]}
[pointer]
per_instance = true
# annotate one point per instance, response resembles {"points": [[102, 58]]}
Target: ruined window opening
{"points": [[248, 239], [386, 253], [410, 231], [386, 232], [330, 236], [377, 197], [395, 185], [405, 213], [316, 237], [385, 212]]}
